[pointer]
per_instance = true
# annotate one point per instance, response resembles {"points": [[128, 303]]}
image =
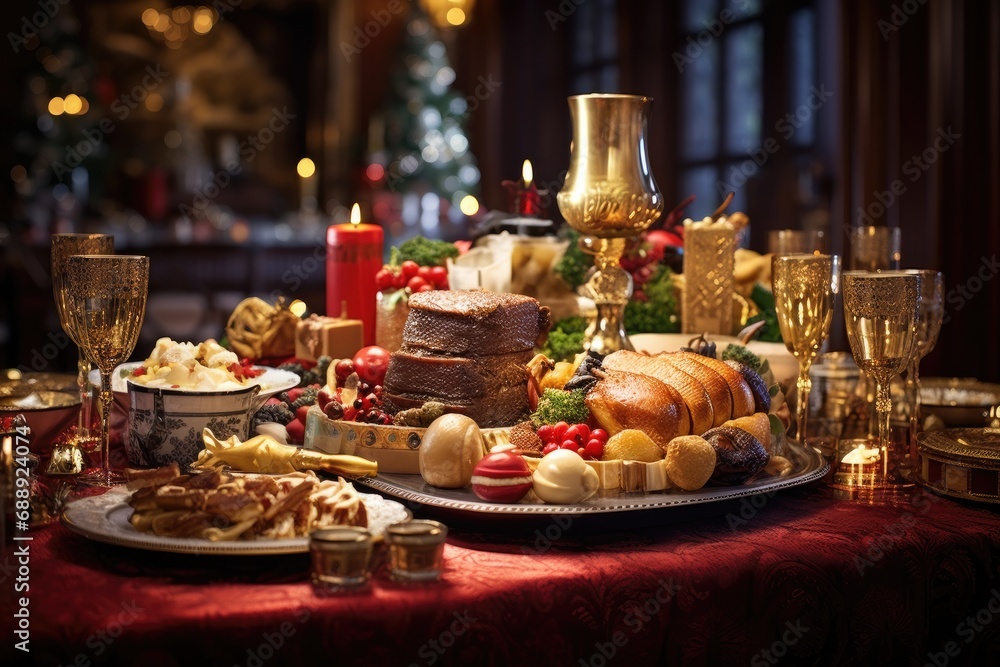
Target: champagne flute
{"points": [[804, 290], [928, 327], [875, 248], [106, 295], [63, 247], [881, 311]]}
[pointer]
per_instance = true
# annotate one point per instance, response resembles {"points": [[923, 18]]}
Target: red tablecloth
{"points": [[801, 579]]}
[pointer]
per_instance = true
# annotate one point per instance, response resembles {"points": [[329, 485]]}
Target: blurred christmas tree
{"points": [[426, 148], [59, 145]]}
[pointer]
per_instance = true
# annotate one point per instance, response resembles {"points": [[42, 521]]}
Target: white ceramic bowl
{"points": [[165, 425], [783, 364], [184, 410]]}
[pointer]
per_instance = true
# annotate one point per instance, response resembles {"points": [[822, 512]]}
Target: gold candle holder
{"points": [[340, 557], [416, 550], [709, 257], [609, 196]]}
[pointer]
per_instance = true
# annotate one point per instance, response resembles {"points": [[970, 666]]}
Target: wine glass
{"points": [[804, 290], [875, 248], [881, 312], [63, 247], [928, 327], [106, 299]]}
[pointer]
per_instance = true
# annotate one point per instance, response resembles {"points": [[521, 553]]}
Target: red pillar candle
{"points": [[353, 257], [525, 197]]}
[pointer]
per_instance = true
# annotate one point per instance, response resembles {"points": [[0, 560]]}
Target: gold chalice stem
{"points": [[610, 287]]}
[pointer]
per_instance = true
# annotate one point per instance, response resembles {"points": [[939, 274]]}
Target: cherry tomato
{"points": [[425, 273], [571, 445], [595, 449], [549, 448], [559, 431], [399, 280], [426, 288], [546, 433], [415, 283], [384, 278], [370, 363], [599, 434], [439, 276], [578, 433], [409, 268]]}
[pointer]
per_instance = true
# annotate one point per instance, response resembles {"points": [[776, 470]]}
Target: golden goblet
{"points": [[609, 196], [63, 247]]}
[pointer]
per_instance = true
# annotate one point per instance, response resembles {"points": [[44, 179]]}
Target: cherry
{"points": [[599, 434], [384, 278], [546, 432], [343, 368], [549, 448], [579, 433], [571, 445], [439, 276], [559, 431], [415, 283]]}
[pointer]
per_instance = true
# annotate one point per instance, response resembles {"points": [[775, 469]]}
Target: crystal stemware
{"points": [[63, 247], [928, 327], [106, 301], [881, 312], [804, 290]]}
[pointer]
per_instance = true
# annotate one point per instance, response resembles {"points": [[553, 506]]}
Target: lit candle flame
{"points": [[526, 173], [356, 214]]}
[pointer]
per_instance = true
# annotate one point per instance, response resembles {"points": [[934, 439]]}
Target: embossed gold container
{"points": [[962, 462], [709, 258], [609, 196]]}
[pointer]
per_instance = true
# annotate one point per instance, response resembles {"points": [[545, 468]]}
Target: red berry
{"points": [[439, 276], [551, 447], [571, 445], [427, 288], [399, 280], [300, 413], [599, 434], [578, 433], [595, 449], [415, 283], [424, 272], [409, 268], [334, 410], [350, 412], [546, 432], [384, 278], [560, 431], [296, 432]]}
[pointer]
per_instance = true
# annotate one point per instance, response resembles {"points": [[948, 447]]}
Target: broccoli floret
{"points": [[557, 405], [565, 341], [741, 354], [658, 313], [272, 412], [574, 264], [423, 251]]}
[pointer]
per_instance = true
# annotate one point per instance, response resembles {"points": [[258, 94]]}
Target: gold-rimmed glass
{"points": [[65, 246], [881, 313], [106, 300], [804, 290], [929, 322]]}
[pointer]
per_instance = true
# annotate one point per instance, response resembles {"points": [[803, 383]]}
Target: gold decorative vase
{"points": [[609, 196]]}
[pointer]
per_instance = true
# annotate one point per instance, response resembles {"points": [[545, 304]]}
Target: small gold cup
{"points": [[341, 558], [416, 550]]}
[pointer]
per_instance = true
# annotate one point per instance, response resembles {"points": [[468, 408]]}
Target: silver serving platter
{"points": [[104, 518], [808, 465]]}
